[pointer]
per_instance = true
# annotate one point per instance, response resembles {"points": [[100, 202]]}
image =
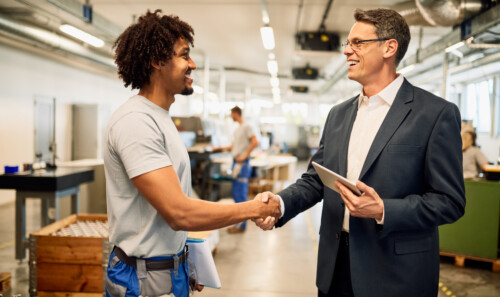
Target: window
{"points": [[477, 106]]}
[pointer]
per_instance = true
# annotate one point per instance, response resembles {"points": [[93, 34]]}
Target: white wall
{"points": [[25, 75], [489, 146]]}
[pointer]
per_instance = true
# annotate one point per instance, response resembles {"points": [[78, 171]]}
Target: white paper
{"points": [[200, 255]]}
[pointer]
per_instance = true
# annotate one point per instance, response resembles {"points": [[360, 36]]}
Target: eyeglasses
{"points": [[357, 43]]}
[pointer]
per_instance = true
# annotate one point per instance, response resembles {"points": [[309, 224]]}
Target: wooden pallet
{"points": [[4, 282], [68, 294], [460, 260]]}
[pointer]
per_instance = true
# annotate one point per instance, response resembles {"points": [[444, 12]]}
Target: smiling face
{"points": [[177, 74], [365, 62]]}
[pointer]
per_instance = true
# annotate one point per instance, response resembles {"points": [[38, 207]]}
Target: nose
{"points": [[191, 64], [348, 50]]}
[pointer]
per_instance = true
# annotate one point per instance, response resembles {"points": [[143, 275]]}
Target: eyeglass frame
{"points": [[358, 42]]}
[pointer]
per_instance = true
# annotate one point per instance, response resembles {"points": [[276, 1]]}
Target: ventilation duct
{"points": [[53, 41], [444, 13]]}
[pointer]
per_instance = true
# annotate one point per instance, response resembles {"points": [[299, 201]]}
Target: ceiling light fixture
{"points": [[454, 47], [275, 82], [83, 36], [267, 37], [272, 67]]}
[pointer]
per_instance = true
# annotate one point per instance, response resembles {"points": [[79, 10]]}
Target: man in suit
{"points": [[403, 146]]}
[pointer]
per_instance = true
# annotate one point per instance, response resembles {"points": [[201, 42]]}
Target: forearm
{"points": [[250, 149], [200, 215], [162, 190]]}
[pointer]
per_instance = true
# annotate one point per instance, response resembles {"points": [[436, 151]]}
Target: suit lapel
{"points": [[397, 113], [350, 117]]}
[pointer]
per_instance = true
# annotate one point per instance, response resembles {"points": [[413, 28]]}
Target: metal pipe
{"points": [[54, 42], [322, 26], [448, 12]]}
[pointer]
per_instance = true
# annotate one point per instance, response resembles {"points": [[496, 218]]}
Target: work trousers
{"points": [[241, 175], [126, 281]]}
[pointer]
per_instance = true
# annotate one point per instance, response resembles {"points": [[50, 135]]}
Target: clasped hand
{"points": [[268, 222]]}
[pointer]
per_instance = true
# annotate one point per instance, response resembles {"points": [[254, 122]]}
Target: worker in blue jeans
{"points": [[243, 144], [241, 175]]}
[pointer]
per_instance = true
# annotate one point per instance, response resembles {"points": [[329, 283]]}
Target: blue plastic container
{"points": [[11, 169]]}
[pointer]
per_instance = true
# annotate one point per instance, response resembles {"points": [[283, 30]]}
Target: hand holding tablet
{"points": [[329, 177]]}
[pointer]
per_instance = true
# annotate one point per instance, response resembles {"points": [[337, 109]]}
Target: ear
{"points": [[390, 48], [157, 65]]}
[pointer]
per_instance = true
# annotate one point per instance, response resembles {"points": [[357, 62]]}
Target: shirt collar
{"points": [[388, 94]]}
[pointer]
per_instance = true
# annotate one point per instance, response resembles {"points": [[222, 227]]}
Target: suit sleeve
{"points": [[306, 191], [443, 198]]}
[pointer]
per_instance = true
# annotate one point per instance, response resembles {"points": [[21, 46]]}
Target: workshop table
{"points": [[48, 185]]}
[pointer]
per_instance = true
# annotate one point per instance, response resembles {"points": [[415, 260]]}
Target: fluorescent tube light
{"points": [[272, 67], [83, 36], [276, 98], [267, 37], [454, 47], [275, 82], [457, 53]]}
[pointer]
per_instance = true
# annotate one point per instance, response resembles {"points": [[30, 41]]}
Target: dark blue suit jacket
{"points": [[415, 165]]}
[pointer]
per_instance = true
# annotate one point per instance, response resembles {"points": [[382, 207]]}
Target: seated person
{"points": [[474, 161]]}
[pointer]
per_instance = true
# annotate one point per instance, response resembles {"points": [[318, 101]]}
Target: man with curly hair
{"points": [[148, 181]]}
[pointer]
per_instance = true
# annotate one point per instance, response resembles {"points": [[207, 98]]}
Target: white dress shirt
{"points": [[371, 114]]}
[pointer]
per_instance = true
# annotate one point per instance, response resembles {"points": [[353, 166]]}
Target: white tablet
{"points": [[329, 177]]}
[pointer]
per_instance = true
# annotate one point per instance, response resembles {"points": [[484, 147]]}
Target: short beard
{"points": [[187, 91]]}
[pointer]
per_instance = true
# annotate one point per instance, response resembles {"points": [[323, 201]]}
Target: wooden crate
{"points": [[4, 282], [63, 265]]}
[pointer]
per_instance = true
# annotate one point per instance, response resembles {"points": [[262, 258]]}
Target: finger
{"points": [[258, 221], [199, 288], [269, 220], [267, 224], [344, 194], [362, 186], [366, 189], [265, 196]]}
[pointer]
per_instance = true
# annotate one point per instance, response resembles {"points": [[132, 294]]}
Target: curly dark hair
{"points": [[150, 39], [388, 24]]}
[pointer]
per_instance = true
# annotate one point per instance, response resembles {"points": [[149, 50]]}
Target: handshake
{"points": [[272, 210]]}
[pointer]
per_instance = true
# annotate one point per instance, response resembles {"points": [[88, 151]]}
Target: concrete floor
{"points": [[275, 263]]}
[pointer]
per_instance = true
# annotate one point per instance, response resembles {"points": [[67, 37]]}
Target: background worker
{"points": [[474, 161], [147, 167], [243, 144], [402, 144]]}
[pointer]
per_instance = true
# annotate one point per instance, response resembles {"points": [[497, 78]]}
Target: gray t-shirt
{"points": [[241, 141], [140, 138], [473, 159]]}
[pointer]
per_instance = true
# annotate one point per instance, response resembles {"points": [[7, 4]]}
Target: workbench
{"points": [[49, 186]]}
